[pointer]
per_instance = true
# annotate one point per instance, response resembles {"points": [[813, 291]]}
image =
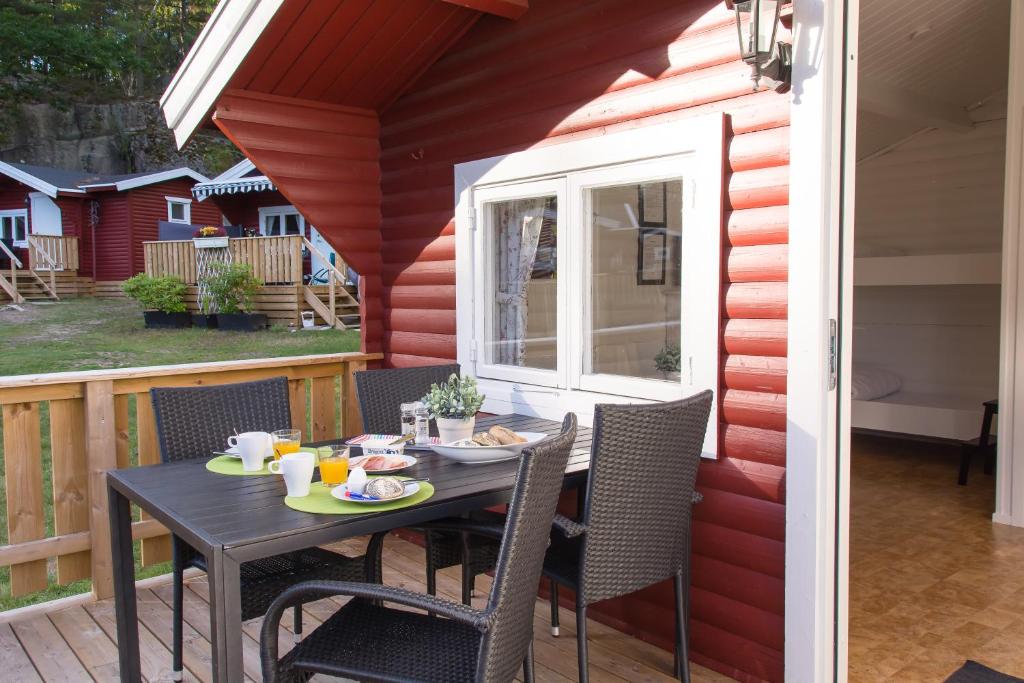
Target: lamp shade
{"points": [[756, 23]]}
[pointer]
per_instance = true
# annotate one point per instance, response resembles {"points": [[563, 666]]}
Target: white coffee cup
{"points": [[297, 469], [254, 447]]}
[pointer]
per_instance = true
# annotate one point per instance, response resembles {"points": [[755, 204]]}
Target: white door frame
{"points": [[1010, 430], [823, 117]]}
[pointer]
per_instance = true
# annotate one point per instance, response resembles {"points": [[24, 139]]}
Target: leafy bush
{"points": [[232, 286], [667, 359], [166, 294], [456, 398]]}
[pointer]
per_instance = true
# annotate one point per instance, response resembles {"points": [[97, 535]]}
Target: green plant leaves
{"points": [[455, 398], [166, 293]]}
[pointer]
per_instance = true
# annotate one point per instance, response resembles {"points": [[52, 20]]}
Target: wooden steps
{"points": [[346, 305]]}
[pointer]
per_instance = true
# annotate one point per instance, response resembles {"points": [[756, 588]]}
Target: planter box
{"points": [[241, 322], [210, 242], [204, 320], [161, 320]]}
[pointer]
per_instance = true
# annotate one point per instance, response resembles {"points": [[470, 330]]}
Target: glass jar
{"points": [[408, 418], [422, 425]]}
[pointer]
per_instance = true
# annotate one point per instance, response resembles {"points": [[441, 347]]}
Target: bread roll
{"points": [[505, 436], [485, 439]]}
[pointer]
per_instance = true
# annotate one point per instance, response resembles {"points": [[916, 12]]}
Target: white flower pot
{"points": [[210, 242], [454, 429]]}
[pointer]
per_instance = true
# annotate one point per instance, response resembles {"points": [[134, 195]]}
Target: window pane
{"points": [[5, 227], [523, 320], [19, 229], [177, 211], [291, 224], [634, 285], [272, 225]]}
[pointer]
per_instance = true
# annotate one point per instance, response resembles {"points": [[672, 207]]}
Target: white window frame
{"points": [[186, 205], [281, 211], [693, 149], [13, 214]]}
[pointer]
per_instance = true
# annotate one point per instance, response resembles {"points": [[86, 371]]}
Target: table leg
{"points": [[225, 616], [124, 586]]}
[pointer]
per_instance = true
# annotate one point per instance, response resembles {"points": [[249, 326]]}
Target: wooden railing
{"points": [[275, 260], [11, 286], [101, 420], [335, 287], [52, 252]]}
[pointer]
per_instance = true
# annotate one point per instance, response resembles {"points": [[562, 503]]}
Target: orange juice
{"points": [[286, 441], [334, 470]]}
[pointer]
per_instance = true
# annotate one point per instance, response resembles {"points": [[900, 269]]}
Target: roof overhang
{"points": [[36, 183], [230, 33], [260, 183], [150, 179]]}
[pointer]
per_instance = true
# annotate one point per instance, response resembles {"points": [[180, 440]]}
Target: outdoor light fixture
{"points": [[756, 24]]}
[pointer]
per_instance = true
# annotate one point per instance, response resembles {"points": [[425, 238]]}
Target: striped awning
{"points": [[237, 186]]}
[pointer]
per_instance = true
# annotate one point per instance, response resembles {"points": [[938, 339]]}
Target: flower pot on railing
{"points": [[210, 242], [162, 320], [241, 322]]}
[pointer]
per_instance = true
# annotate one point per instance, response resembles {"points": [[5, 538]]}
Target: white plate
{"points": [[232, 452], [339, 493], [409, 462], [485, 454]]}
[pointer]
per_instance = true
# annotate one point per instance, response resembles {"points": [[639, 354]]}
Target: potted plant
{"points": [[205, 319], [454, 405], [162, 299], [667, 361], [209, 237], [232, 287]]}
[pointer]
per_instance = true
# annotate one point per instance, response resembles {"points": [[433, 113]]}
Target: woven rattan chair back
{"points": [[521, 558], [381, 393], [192, 422], [643, 470]]}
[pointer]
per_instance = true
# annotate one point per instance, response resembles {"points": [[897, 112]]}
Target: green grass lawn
{"points": [[90, 334]]}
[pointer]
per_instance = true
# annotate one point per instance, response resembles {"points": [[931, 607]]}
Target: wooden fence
{"points": [[276, 260], [91, 431]]}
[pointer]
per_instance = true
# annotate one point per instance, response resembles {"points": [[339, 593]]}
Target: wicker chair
{"points": [[635, 530], [192, 422], [380, 393], [368, 641]]}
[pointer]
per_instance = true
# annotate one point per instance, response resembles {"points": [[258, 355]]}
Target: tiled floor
{"points": [[932, 581]]}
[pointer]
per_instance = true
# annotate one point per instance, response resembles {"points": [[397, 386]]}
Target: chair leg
{"points": [[581, 641], [966, 453], [467, 572], [528, 674], [178, 615], [297, 623], [682, 663], [431, 569], [555, 631]]}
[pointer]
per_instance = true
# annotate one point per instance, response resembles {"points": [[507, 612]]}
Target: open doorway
{"points": [[933, 582]]}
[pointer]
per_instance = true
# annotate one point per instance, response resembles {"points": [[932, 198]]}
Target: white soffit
{"points": [[220, 49]]}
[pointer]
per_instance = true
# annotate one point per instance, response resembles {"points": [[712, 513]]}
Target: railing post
{"points": [[351, 420], [331, 304], [297, 260], [101, 455]]}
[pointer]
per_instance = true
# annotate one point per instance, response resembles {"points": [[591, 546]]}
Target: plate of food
{"points": [[378, 464], [378, 490], [494, 445]]}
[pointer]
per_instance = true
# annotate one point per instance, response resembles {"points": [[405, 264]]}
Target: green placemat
{"points": [[225, 464], [320, 501]]}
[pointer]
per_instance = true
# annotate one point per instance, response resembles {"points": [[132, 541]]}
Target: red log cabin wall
{"points": [[14, 195], [113, 238], [571, 68], [244, 208], [148, 206]]}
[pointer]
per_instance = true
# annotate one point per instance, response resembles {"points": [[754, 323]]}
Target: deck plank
{"points": [[94, 649], [49, 652], [13, 660]]}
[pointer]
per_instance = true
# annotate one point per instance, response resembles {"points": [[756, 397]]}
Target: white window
{"points": [[590, 271], [179, 210], [281, 220], [14, 226]]}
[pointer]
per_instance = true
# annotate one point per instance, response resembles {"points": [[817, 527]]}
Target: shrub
{"points": [[667, 360], [232, 286], [456, 398], [166, 293]]}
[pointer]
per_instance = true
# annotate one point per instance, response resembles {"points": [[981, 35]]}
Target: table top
{"points": [[238, 512]]}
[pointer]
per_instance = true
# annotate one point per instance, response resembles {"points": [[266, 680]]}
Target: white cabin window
{"points": [[14, 226], [590, 271], [179, 210], [276, 221]]}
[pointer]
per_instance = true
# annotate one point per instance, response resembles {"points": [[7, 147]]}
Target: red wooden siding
{"points": [[13, 195], [571, 68], [113, 243], [149, 207], [326, 161]]}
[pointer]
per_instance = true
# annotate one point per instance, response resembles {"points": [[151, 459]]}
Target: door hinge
{"points": [[833, 354]]}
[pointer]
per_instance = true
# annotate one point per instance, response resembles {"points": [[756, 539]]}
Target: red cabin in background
{"points": [[92, 224]]}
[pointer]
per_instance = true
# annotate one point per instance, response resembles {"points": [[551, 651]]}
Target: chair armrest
{"points": [[568, 527], [309, 591], [461, 525]]}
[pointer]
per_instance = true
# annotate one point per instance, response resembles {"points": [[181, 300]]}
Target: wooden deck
{"points": [[77, 642]]}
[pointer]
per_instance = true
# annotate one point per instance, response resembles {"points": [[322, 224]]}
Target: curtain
{"points": [[519, 224]]}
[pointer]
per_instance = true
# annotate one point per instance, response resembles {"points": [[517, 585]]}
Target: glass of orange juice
{"points": [[334, 467], [286, 441]]}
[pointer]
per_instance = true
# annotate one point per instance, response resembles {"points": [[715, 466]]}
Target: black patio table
{"points": [[235, 519]]}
